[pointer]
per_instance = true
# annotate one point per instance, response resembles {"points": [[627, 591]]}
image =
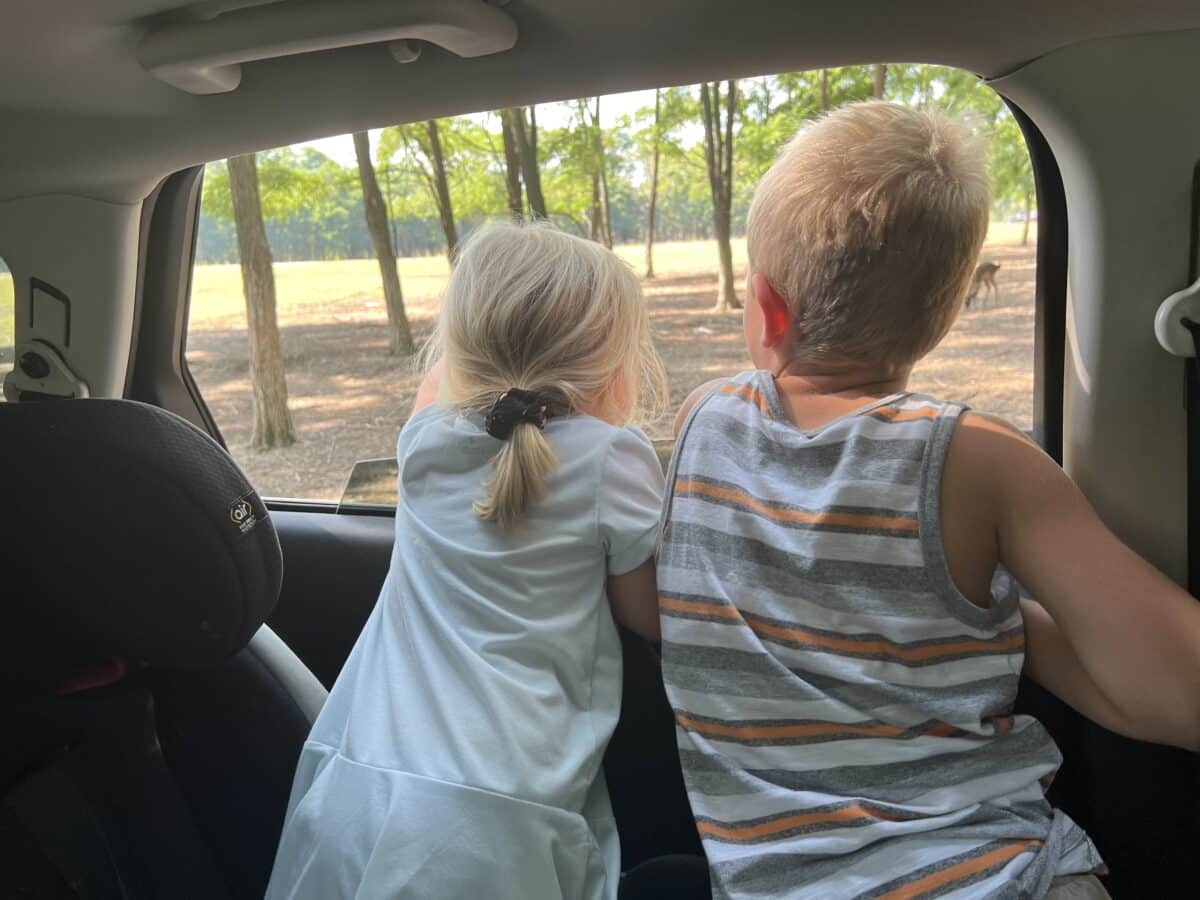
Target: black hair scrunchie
{"points": [[517, 407]]}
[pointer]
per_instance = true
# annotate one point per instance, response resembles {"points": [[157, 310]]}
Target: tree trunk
{"points": [[442, 187], [653, 191], [880, 80], [272, 419], [605, 209], [602, 166], [1028, 213], [526, 137], [387, 182], [595, 220], [718, 154], [824, 90], [399, 335], [512, 162]]}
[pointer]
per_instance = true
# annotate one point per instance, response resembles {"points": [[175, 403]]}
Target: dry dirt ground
{"points": [[349, 398]]}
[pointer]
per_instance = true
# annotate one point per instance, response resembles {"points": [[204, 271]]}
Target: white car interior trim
{"points": [[86, 249], [206, 57], [81, 115], [1108, 111]]}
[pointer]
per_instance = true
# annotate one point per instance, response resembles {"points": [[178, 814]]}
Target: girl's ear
{"points": [[776, 317]]}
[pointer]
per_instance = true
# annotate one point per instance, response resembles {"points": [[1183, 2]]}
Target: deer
{"points": [[984, 277]]}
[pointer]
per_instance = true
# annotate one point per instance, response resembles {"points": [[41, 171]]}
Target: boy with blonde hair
{"points": [[842, 639]]}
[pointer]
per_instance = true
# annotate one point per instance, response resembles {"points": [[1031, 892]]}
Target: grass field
{"points": [[6, 322], [349, 398]]}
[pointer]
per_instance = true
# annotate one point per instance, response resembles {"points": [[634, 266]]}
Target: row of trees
{"points": [[682, 168]]}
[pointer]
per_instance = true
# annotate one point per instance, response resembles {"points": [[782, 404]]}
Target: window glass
{"points": [[333, 382], [7, 323]]}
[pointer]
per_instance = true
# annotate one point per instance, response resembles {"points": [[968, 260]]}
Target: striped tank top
{"points": [[843, 712]]}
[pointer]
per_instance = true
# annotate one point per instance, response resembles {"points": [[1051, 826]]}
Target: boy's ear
{"points": [[776, 317]]}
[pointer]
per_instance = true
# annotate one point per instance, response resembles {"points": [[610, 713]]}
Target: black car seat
{"points": [[151, 722]]}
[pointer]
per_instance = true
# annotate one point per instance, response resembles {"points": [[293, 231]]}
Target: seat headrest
{"points": [[125, 531]]}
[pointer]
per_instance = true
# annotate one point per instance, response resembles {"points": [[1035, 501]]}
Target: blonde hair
{"points": [[531, 307], [869, 224]]}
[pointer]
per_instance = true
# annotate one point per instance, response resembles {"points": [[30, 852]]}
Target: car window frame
{"points": [[159, 373]]}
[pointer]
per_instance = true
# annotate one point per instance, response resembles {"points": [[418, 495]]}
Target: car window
{"points": [[337, 250], [7, 323]]}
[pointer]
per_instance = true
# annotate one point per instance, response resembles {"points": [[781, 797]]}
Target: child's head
{"points": [[862, 238], [531, 307]]}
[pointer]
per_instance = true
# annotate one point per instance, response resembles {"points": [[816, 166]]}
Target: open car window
{"points": [[7, 322], [337, 250]]}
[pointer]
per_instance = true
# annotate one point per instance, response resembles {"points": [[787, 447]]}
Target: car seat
{"points": [[152, 723]]}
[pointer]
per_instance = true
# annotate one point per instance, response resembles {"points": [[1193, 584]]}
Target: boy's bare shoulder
{"points": [[983, 435], [693, 398], [990, 456]]}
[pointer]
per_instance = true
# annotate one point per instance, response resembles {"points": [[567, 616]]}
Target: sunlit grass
{"points": [[309, 292], [6, 322]]}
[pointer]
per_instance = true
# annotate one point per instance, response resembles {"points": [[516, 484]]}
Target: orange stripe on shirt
{"points": [[687, 607], [936, 881], [745, 392], [733, 496], [847, 646], [880, 646], [892, 414], [844, 816]]}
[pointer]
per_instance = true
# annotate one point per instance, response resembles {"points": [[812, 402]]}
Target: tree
{"points": [[655, 140], [423, 155], [512, 161], [526, 137], [880, 82], [824, 90], [585, 144], [272, 420], [718, 155], [1010, 170], [399, 334], [442, 188], [602, 175]]}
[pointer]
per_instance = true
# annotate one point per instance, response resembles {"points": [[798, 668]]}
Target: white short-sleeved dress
{"points": [[459, 754]]}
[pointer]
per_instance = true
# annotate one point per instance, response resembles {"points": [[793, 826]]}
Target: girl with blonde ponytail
{"points": [[459, 752]]}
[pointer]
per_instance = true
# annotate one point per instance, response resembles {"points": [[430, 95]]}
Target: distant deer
{"points": [[984, 277]]}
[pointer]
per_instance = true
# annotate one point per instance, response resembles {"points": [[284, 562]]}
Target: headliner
{"points": [[79, 115]]}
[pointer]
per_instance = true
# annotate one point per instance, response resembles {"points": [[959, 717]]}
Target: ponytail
{"points": [[537, 324], [519, 473]]}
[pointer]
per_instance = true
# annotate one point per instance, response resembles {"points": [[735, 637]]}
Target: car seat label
{"points": [[242, 515]]}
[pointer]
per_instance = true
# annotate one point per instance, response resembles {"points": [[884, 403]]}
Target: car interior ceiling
{"points": [[1105, 89]]}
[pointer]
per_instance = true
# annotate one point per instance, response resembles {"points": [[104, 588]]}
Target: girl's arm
{"points": [[634, 600], [1117, 639], [428, 391]]}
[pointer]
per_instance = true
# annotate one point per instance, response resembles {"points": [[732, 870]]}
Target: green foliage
{"points": [[312, 203], [1009, 168], [474, 161]]}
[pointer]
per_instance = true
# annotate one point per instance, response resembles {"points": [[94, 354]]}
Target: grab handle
{"points": [[206, 57], [1171, 321]]}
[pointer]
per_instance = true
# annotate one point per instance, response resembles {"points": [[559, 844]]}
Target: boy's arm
{"points": [[634, 600], [1117, 639], [692, 399]]}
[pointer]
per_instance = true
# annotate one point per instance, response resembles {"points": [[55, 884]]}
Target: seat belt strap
{"points": [[54, 812]]}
